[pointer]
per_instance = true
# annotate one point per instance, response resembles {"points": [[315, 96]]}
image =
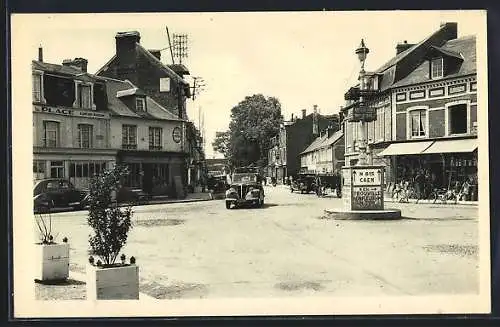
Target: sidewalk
{"points": [[391, 200], [468, 203], [73, 288], [191, 197]]}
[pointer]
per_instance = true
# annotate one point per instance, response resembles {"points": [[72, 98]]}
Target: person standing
{"points": [[419, 184]]}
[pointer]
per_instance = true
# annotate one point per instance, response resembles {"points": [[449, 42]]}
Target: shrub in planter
{"points": [[106, 278], [51, 258]]}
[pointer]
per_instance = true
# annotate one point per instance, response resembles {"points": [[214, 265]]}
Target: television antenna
{"points": [[180, 46]]}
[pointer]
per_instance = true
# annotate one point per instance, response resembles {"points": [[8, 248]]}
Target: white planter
{"points": [[52, 261], [116, 283]]}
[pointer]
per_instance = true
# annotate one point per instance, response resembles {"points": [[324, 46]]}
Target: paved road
{"points": [[203, 250]]}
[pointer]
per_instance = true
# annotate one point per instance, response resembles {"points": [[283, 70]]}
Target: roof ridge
{"points": [[157, 61]]}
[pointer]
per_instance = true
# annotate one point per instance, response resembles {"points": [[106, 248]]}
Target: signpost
{"points": [[362, 187]]}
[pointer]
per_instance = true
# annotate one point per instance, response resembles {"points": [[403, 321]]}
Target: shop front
{"points": [[444, 163], [76, 165], [155, 173]]}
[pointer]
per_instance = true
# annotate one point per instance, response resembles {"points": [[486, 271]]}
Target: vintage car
{"points": [[57, 192], [245, 189], [132, 195], [304, 183]]}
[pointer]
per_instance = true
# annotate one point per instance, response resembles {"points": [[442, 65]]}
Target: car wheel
{"points": [[228, 205]]}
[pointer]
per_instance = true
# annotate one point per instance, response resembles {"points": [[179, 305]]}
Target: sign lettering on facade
{"points": [[71, 112]]}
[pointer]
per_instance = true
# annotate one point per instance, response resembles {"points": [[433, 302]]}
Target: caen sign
{"points": [[70, 112]]}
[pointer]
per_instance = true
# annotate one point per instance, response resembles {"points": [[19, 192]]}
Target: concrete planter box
{"points": [[115, 283], [52, 261]]}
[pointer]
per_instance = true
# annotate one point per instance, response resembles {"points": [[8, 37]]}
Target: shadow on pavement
{"points": [[62, 282]]}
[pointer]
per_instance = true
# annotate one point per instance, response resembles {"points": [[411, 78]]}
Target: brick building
{"points": [[424, 99], [165, 84], [325, 155], [294, 137]]}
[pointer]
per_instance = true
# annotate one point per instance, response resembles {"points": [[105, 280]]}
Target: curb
{"points": [[81, 277], [59, 210], [412, 201]]}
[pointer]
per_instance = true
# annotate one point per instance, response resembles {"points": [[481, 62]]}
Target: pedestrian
{"points": [[419, 184]]}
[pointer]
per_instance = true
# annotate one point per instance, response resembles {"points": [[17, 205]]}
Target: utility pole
{"points": [[198, 86]]}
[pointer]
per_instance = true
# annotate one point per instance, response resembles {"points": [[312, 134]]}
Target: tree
{"points": [[221, 143], [254, 121], [109, 222]]}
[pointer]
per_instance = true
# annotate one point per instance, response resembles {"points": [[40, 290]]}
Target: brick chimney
{"points": [[400, 47], [125, 41], [126, 55], [303, 113], [40, 54], [156, 53], [80, 63], [330, 131], [450, 30]]}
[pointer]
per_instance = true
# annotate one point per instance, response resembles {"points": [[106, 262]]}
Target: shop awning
{"points": [[452, 146], [397, 149]]}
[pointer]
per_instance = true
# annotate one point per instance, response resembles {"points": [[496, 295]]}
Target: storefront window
{"points": [[57, 169], [418, 122]]}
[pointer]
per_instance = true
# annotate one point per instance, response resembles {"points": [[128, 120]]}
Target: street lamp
{"points": [[362, 51]]}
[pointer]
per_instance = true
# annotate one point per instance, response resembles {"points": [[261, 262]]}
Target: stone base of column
{"points": [[341, 214]]}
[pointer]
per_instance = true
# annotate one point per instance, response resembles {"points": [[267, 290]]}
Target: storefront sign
{"points": [[366, 198], [366, 176], [70, 112]]}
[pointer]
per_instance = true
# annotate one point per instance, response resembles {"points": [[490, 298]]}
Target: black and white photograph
{"points": [[250, 163]]}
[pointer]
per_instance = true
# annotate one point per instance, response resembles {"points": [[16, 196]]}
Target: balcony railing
{"points": [[155, 148]]}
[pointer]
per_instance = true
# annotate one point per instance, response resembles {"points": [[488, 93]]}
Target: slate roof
{"points": [[143, 51], [316, 144], [71, 71], [464, 47], [119, 108]]}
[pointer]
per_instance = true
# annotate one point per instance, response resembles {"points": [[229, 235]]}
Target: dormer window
{"points": [[83, 95], [140, 104], [437, 68]]}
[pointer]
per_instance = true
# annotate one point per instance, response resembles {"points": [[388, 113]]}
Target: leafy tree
{"points": [[110, 223], [221, 143], [254, 121]]}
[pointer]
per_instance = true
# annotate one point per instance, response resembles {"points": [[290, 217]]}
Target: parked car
{"points": [[132, 195], [58, 192], [245, 189], [304, 183]]}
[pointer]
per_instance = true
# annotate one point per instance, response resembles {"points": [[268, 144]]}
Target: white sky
{"points": [[302, 58]]}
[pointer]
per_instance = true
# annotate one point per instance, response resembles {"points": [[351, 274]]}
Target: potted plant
{"points": [[51, 258], [107, 278]]}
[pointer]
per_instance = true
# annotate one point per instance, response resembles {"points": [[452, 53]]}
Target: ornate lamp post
{"points": [[362, 110], [363, 184]]}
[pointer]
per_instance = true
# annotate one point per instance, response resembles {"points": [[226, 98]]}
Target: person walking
{"points": [[419, 184]]}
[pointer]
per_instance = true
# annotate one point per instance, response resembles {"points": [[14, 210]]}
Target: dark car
{"points": [[58, 192], [304, 183], [132, 195], [245, 189]]}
